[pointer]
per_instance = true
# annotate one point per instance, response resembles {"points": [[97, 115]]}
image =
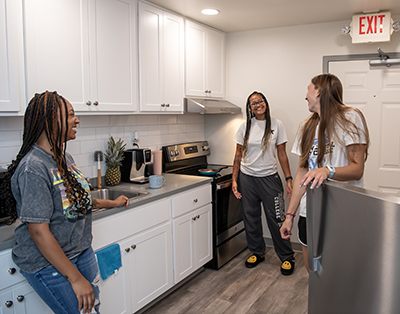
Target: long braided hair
{"points": [[333, 114], [249, 115], [46, 112]]}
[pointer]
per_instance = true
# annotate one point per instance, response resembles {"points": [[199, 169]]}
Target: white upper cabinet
{"points": [[205, 61], [85, 50], [12, 85], [161, 60]]}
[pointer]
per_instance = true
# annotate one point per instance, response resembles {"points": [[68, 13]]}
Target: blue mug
{"points": [[156, 181]]}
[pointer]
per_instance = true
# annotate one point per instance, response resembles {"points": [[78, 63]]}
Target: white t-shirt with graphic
{"points": [[254, 163], [339, 156]]}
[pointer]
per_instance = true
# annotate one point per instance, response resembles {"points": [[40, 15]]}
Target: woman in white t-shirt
{"points": [[258, 140], [332, 144]]}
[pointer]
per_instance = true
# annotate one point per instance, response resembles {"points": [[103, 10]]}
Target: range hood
{"points": [[210, 106]]}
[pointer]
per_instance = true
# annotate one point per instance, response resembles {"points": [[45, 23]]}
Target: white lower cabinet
{"points": [[145, 274], [192, 241], [150, 264], [16, 295], [192, 230], [22, 299], [161, 243]]}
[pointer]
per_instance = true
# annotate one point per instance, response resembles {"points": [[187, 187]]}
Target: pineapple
{"points": [[114, 156]]}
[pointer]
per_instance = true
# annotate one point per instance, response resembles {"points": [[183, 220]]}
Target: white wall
{"points": [[279, 62], [93, 133]]}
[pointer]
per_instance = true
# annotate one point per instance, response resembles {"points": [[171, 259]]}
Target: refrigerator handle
{"points": [[314, 228]]}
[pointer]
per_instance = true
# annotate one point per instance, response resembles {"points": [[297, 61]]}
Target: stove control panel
{"points": [[186, 150]]}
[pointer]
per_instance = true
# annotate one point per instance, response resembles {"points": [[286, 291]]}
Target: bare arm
{"points": [[354, 171], [51, 250], [284, 161], [297, 194], [235, 171], [119, 201]]}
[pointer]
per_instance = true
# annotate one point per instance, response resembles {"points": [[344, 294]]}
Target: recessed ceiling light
{"points": [[209, 11]]}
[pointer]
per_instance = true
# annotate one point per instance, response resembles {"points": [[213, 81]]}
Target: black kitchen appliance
{"points": [[134, 165], [229, 237]]}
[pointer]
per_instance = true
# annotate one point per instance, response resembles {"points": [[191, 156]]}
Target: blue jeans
{"points": [[57, 292]]}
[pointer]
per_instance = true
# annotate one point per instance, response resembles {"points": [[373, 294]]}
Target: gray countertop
{"points": [[174, 183]]}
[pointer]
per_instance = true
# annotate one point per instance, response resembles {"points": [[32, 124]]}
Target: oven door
{"points": [[228, 213]]}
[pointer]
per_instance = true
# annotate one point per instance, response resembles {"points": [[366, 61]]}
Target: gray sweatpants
{"points": [[268, 191]]}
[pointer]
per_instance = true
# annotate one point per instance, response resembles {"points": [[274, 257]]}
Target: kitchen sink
{"points": [[111, 194]]}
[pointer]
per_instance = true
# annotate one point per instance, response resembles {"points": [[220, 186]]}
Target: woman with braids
{"points": [[332, 144], [256, 180], [48, 193]]}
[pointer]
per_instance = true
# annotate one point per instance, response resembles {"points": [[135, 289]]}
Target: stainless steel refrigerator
{"points": [[353, 239]]}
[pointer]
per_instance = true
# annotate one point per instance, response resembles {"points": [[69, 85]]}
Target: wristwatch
{"points": [[332, 170]]}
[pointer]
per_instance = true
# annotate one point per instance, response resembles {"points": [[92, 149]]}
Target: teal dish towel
{"points": [[109, 260]]}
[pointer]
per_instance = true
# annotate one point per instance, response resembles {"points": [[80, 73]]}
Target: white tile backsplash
{"points": [[12, 138], [11, 123], [154, 132], [147, 119]]}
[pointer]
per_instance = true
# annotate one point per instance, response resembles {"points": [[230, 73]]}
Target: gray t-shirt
{"points": [[40, 194]]}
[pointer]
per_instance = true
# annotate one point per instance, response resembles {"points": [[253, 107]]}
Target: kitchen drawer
{"points": [[7, 266], [187, 201], [119, 226]]}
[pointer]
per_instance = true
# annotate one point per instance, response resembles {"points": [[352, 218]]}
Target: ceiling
{"points": [[245, 15]]}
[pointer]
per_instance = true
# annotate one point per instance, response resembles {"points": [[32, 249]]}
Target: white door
{"points": [[56, 47], [161, 57], [85, 54], [376, 92], [113, 64], [202, 237], [26, 301], [173, 62], [184, 263], [195, 59], [215, 63], [115, 290], [150, 264], [12, 85]]}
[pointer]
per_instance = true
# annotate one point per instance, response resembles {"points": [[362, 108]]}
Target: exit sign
{"points": [[367, 28]]}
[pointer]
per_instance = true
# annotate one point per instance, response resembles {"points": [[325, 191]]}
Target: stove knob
{"points": [[172, 153], [177, 153], [205, 148]]}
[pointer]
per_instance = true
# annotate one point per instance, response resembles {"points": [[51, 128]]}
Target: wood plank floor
{"points": [[235, 289]]}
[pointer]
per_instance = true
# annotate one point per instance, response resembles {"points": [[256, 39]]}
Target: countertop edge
{"points": [[175, 184]]}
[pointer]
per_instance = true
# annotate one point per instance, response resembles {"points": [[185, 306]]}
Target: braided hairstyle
{"points": [[267, 132], [45, 113]]}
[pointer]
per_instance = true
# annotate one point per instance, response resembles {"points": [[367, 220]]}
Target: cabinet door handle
{"points": [[20, 298], [96, 103], [167, 105], [133, 246], [162, 105], [88, 103], [8, 303], [195, 200], [198, 216], [194, 218], [12, 271], [127, 250]]}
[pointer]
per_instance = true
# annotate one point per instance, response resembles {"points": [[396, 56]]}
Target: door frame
{"points": [[369, 56]]}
